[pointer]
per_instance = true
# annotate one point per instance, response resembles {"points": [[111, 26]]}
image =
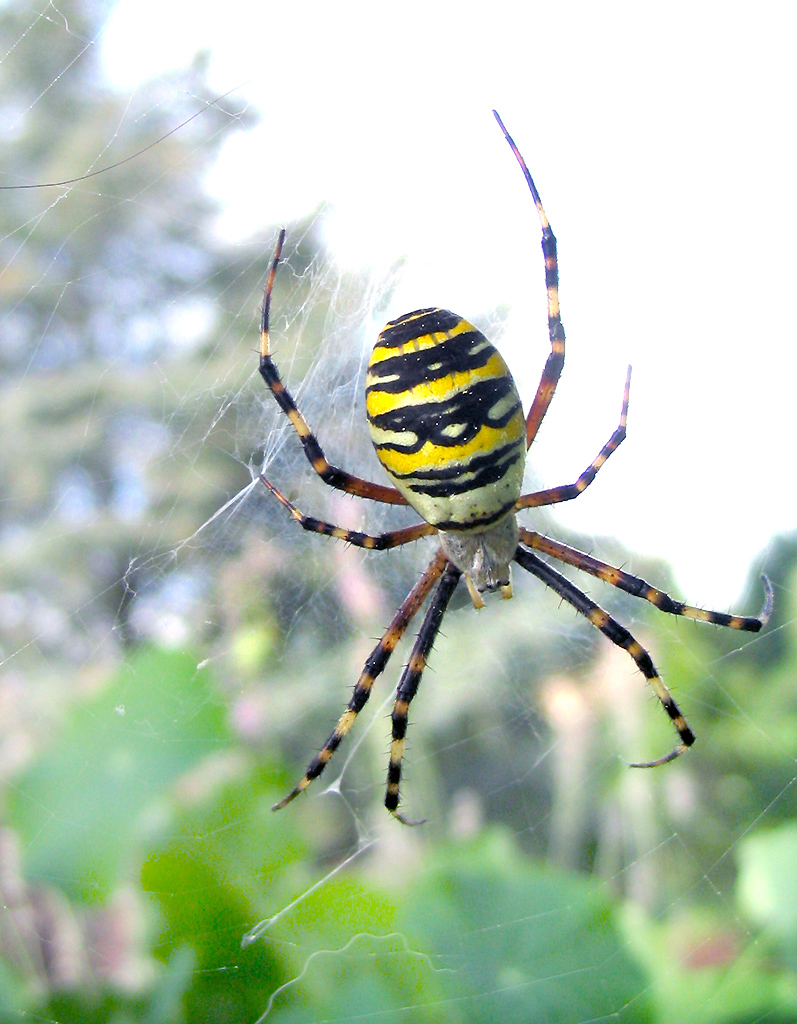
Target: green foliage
{"points": [[767, 887], [139, 763], [146, 781], [503, 935], [706, 966], [86, 803]]}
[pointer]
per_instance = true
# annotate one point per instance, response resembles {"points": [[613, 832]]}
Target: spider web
{"points": [[174, 650]]}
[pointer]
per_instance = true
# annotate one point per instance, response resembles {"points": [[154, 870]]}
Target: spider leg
{"points": [[556, 358], [409, 682], [374, 666], [330, 474], [555, 495], [639, 588], [618, 635], [377, 542]]}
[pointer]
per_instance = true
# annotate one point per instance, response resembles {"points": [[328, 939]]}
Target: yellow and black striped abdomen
{"points": [[446, 419]]}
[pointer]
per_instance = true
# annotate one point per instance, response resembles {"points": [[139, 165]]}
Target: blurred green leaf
{"points": [[767, 885], [506, 933], [480, 935], [81, 806]]}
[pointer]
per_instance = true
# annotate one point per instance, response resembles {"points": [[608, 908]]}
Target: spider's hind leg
{"points": [[556, 358], [566, 492], [331, 475], [374, 542]]}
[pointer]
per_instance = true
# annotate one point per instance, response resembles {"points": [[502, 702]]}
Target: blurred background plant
{"points": [[173, 653]]}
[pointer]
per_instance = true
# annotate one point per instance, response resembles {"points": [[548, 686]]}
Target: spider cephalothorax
{"points": [[448, 427]]}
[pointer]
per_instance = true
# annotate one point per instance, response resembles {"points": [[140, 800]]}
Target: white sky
{"points": [[661, 139]]}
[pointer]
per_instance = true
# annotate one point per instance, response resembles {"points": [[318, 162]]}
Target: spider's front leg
{"points": [[640, 588], [409, 682], [374, 666], [618, 635]]}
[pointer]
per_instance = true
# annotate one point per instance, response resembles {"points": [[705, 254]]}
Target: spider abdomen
{"points": [[446, 420]]}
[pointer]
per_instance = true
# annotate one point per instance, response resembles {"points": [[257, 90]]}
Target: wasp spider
{"points": [[447, 424]]}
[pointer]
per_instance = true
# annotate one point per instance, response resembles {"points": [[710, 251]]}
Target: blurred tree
{"points": [[109, 284]]}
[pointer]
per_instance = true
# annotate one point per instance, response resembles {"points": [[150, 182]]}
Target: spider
{"points": [[447, 424]]}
